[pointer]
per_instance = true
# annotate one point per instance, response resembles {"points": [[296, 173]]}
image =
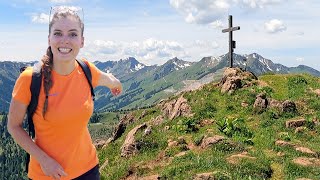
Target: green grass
{"points": [[248, 131]]}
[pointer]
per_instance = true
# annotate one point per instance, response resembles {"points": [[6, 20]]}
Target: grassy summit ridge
{"points": [[224, 136]]}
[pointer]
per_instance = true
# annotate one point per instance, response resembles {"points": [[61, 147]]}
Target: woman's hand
{"points": [[52, 168], [115, 86]]}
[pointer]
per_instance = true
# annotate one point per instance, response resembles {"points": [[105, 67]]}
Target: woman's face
{"points": [[65, 39]]}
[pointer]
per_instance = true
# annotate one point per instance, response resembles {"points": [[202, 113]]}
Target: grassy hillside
{"points": [[245, 131]]}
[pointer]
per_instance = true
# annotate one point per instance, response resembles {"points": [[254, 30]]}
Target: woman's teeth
{"points": [[64, 50]]}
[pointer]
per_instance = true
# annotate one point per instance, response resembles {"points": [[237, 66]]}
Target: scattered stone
{"points": [[204, 176], [284, 143], [172, 143], [181, 140], [296, 147], [289, 106], [176, 108], [211, 140], [244, 104], [181, 154], [147, 131], [152, 177], [157, 121], [304, 161], [166, 128], [206, 122], [129, 146], [235, 159], [300, 130], [99, 143], [317, 92], [295, 123], [272, 103], [306, 151], [261, 103]]}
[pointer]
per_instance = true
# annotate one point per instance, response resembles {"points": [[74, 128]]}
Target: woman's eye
{"points": [[74, 35], [57, 34]]}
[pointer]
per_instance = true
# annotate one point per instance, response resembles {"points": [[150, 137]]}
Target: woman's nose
{"points": [[65, 39]]}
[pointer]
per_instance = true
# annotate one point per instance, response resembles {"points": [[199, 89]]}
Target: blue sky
{"points": [[153, 31]]}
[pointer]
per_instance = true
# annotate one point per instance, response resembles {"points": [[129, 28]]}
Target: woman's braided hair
{"points": [[47, 59]]}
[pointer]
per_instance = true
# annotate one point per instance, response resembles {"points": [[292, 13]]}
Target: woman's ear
{"points": [[82, 42]]}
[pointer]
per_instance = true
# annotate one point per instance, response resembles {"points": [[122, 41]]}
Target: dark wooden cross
{"points": [[232, 43]]}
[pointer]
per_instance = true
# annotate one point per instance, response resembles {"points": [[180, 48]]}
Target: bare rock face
{"points": [[129, 146], [289, 106], [232, 78], [295, 123], [176, 108], [121, 127], [231, 84], [206, 142], [261, 103]]}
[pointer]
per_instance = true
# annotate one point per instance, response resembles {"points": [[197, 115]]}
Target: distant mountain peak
{"points": [[178, 63]]}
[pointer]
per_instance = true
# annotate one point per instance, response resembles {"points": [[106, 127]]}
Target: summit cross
{"points": [[232, 43]]}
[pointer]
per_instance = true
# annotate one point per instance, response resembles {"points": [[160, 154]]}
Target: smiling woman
{"points": [[62, 148]]}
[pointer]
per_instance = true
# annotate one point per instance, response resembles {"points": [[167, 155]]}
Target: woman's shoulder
{"points": [[27, 72]]}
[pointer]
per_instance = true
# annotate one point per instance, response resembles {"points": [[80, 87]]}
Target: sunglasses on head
{"points": [[78, 11]]}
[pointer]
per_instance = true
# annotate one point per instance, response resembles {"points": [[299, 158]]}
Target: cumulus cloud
{"points": [[211, 11], [149, 51], [254, 4], [41, 18], [274, 26]]}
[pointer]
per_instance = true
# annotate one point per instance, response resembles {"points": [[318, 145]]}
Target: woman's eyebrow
{"points": [[69, 30], [73, 30]]}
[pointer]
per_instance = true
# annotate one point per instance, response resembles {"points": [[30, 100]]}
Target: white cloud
{"points": [[201, 12], [254, 4], [217, 24], [210, 11], [301, 33], [300, 59], [274, 26], [41, 18], [205, 44], [149, 51], [61, 1]]}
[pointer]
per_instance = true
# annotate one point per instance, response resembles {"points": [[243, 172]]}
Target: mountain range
{"points": [[144, 85]]}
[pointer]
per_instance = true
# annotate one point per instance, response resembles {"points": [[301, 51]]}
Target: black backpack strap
{"points": [[85, 68], [35, 91]]}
